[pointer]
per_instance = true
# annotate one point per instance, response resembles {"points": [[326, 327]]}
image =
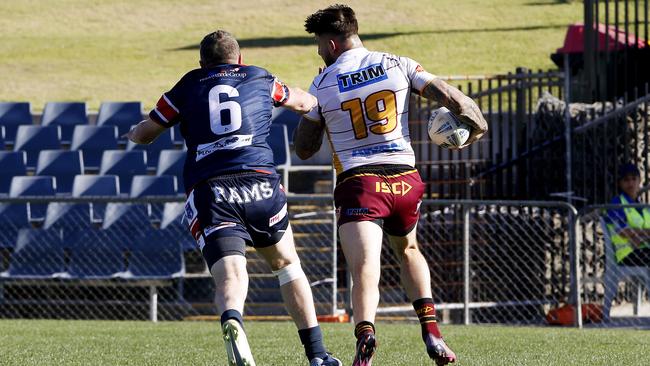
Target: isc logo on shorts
{"points": [[400, 188]]}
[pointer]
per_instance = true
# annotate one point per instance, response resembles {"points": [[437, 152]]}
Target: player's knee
{"points": [[290, 272]]}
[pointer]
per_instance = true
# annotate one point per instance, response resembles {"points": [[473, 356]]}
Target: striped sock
{"points": [[363, 328], [426, 312]]}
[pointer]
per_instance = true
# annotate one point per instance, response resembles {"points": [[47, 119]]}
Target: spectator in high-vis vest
{"points": [[630, 227]]}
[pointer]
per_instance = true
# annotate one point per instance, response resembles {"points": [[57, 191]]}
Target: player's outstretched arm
{"points": [[145, 132], [300, 101], [459, 104], [308, 137]]}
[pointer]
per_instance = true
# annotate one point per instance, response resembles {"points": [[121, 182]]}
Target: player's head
{"points": [[336, 30], [219, 47], [629, 179]]}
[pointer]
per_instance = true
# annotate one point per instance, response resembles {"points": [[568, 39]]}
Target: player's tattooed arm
{"points": [[459, 104], [308, 137]]}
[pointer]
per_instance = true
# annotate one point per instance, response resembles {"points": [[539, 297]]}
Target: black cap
{"points": [[628, 169]]}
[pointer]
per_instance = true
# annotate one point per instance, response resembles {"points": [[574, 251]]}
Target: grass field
{"points": [[37, 342], [95, 50]]}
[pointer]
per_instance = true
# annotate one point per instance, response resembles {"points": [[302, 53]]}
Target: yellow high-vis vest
{"points": [[635, 221]]}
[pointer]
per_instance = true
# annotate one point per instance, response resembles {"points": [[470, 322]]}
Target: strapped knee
{"points": [[289, 273]]}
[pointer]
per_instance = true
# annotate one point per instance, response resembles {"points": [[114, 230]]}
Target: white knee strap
{"points": [[289, 273]]}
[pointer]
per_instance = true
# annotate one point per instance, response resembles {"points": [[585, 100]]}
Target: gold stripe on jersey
{"points": [[379, 175]]}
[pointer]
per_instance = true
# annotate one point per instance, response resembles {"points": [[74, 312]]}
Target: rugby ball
{"points": [[446, 130]]}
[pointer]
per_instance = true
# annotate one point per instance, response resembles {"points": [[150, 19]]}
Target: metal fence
{"points": [[503, 262]]}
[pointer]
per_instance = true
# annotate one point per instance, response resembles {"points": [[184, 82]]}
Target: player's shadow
{"points": [[268, 42]]}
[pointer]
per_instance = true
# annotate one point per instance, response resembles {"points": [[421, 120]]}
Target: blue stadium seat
{"points": [[120, 114], [279, 143], [97, 254], [64, 114], [155, 257], [33, 186], [12, 115], [12, 163], [127, 218], [152, 185], [173, 227], [64, 165], [283, 116], [177, 137], [124, 164], [171, 162], [2, 138], [14, 217], [32, 139], [92, 141], [96, 185], [163, 142], [38, 253]]}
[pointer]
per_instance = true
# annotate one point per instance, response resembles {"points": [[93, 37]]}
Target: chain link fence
{"points": [[504, 262]]}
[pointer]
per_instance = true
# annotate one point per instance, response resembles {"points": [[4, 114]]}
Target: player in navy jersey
{"points": [[234, 194]]}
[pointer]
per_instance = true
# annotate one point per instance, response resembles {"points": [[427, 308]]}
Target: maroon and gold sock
{"points": [[426, 312], [362, 328]]}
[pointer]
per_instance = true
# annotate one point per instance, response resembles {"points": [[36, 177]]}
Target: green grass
{"points": [[39, 342], [95, 50]]}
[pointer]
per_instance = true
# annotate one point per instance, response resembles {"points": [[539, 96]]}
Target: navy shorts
{"points": [[228, 212]]}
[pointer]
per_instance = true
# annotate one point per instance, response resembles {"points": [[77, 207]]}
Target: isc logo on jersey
{"points": [[362, 77]]}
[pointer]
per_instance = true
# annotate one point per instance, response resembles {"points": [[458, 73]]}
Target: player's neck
{"points": [[350, 43]]}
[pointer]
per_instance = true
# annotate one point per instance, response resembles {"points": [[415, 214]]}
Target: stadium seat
{"points": [[38, 253], [154, 257], [283, 116], [96, 254], [129, 218], [163, 142], [120, 114], [279, 143], [322, 157], [33, 186], [32, 139], [151, 185], [171, 162], [177, 137], [124, 164], [12, 164], [173, 227], [92, 141], [2, 138], [14, 217], [64, 114], [64, 165], [96, 185], [12, 115]]}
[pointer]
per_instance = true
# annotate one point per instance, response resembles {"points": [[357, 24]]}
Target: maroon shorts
{"points": [[389, 195]]}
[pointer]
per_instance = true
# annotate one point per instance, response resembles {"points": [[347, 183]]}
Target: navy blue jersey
{"points": [[225, 116]]}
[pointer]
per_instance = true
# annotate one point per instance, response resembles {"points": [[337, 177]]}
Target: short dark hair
{"points": [[219, 47], [336, 19]]}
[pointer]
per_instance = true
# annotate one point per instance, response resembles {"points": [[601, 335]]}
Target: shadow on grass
{"points": [[268, 42]]}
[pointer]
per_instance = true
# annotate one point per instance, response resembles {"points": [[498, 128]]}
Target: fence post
{"points": [[574, 254], [466, 292], [335, 284], [567, 128], [153, 303]]}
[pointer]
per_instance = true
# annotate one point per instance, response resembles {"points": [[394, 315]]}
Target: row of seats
{"points": [[66, 165], [94, 254], [90, 140], [122, 115]]}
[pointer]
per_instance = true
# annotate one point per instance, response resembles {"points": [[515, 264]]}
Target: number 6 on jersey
{"points": [[225, 117]]}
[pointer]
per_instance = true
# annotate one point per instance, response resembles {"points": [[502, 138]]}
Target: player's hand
{"points": [[471, 115]]}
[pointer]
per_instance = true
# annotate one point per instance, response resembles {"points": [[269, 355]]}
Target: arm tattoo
{"points": [[459, 104], [307, 138]]}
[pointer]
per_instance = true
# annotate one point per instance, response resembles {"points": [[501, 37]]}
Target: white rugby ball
{"points": [[446, 130]]}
